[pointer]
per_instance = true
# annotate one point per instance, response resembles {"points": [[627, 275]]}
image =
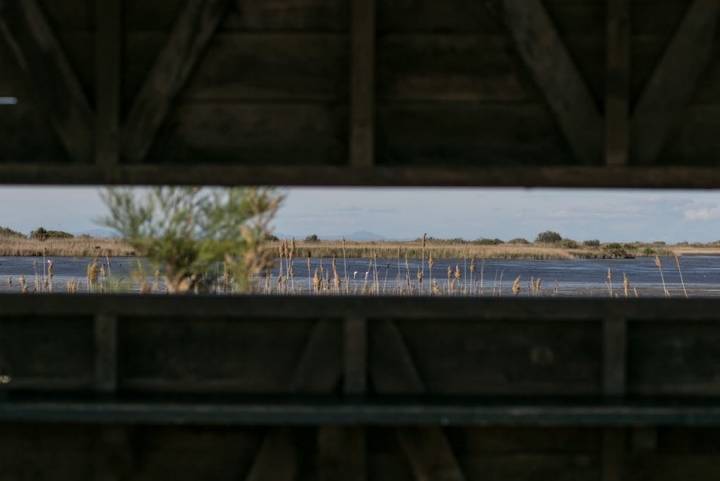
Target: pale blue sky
{"points": [[607, 215]]}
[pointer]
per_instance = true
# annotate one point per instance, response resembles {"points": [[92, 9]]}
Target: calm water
{"points": [[563, 277]]}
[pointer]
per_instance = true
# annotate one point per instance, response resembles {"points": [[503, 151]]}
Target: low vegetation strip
{"points": [[465, 249], [70, 247]]}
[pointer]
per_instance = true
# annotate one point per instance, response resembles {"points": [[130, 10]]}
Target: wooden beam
{"points": [[566, 92], [114, 458], [430, 454], [674, 81], [468, 309], [614, 356], [317, 372], [41, 57], [670, 177], [106, 353], [108, 75], [362, 75], [277, 459], [342, 454], [355, 355], [188, 41], [271, 412], [614, 386], [617, 83], [319, 368], [427, 449]]}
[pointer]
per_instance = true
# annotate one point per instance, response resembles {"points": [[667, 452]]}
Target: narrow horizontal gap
{"points": [[379, 242], [8, 100]]}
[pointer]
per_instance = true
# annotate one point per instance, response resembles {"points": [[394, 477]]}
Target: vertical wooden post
{"points": [[362, 78], [108, 74], [342, 452], [614, 386], [617, 94], [106, 354], [355, 356], [113, 450]]}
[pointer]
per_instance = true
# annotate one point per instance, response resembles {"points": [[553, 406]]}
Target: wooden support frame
{"points": [[614, 387], [674, 81], [41, 57], [318, 371], [106, 353], [362, 75], [427, 449], [188, 41], [566, 92], [617, 88], [108, 74]]}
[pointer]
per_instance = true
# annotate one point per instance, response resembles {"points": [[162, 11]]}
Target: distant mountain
{"points": [[364, 235], [358, 236]]}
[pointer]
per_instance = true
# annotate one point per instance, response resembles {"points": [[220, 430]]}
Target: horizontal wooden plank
{"points": [[211, 355], [260, 134], [273, 413], [135, 307], [506, 358], [239, 67], [451, 67], [674, 360], [55, 354], [249, 15], [469, 134], [234, 173]]}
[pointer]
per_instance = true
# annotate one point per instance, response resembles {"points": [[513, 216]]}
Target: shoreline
{"points": [[94, 247]]}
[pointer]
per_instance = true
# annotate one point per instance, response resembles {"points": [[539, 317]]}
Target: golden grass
{"points": [[77, 247], [415, 250]]}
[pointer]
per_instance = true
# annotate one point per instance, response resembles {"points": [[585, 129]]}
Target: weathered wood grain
{"points": [[297, 308], [281, 134], [617, 93], [318, 371], [362, 86], [277, 459], [674, 81], [25, 29], [467, 134], [355, 356], [673, 360], [216, 355], [428, 450], [342, 454], [106, 353], [429, 454], [39, 353], [566, 92], [108, 65], [615, 357], [506, 358], [188, 41]]}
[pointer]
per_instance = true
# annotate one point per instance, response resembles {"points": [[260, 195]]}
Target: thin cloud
{"points": [[703, 214]]}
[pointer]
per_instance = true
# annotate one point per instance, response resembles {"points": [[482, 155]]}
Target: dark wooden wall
{"points": [[121, 387], [572, 93], [539, 92]]}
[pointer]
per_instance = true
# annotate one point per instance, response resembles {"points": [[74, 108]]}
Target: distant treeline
{"points": [[40, 234]]}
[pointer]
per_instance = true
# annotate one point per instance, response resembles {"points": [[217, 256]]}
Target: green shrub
{"points": [[487, 242], [568, 244], [312, 238], [592, 243], [519, 241], [42, 234], [186, 231], [548, 237], [8, 233]]}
